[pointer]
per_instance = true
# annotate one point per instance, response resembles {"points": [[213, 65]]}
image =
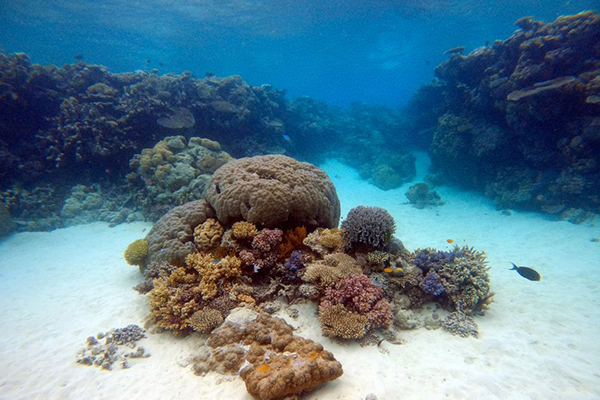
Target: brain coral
{"points": [[272, 190], [171, 239]]}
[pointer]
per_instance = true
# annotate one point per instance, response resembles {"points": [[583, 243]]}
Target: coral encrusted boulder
{"points": [[273, 190]]}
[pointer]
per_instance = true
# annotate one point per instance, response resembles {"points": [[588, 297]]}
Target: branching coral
{"points": [[214, 271], [292, 240], [334, 267], [205, 320], [337, 321], [370, 227], [358, 294], [324, 241], [265, 250]]}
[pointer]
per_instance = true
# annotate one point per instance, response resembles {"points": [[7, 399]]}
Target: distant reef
{"points": [[79, 143], [519, 120]]}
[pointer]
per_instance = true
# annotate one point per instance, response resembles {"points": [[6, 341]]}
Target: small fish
{"points": [[78, 56], [450, 241], [527, 273], [287, 138]]}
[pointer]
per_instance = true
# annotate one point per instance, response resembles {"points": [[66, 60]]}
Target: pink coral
{"points": [[265, 250], [359, 294]]}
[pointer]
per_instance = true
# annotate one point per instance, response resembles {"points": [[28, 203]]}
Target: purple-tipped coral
{"points": [[370, 227], [359, 295], [265, 250], [431, 284]]}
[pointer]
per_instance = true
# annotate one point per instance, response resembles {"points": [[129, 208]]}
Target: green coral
{"points": [[136, 252], [467, 280]]}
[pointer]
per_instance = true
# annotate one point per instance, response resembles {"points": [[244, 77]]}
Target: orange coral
{"points": [[213, 271], [292, 239]]}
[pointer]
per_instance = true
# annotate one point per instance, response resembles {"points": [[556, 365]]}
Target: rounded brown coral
{"points": [[273, 190], [208, 234]]}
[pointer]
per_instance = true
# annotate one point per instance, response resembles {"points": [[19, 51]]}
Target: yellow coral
{"points": [[213, 271], [339, 322], [210, 144], [332, 238], [244, 230], [333, 268], [205, 320], [136, 252], [208, 235]]}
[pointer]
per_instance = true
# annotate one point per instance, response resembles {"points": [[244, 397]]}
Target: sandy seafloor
{"points": [[539, 340]]}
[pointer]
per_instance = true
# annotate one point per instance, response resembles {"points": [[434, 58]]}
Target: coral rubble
{"points": [[273, 362]]}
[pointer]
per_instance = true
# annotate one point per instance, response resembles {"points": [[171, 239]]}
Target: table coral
{"points": [[273, 190], [331, 269], [279, 364]]}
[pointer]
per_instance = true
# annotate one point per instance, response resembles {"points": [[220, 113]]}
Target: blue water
{"points": [[341, 51]]}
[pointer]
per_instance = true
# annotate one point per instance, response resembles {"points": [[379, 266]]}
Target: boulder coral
{"points": [[173, 172], [171, 239], [279, 364], [273, 190]]}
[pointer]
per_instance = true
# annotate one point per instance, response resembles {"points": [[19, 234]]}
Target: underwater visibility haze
{"points": [[299, 199]]}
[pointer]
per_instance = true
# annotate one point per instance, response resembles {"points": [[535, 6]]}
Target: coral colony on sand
{"points": [[267, 230]]}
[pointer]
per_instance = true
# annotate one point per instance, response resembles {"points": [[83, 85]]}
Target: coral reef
{"points": [[517, 120], [278, 363], [325, 241], [6, 223], [358, 295], [368, 227], [244, 230], [106, 349], [208, 234], [205, 320], [171, 239], [332, 268], [273, 190], [459, 323], [136, 252], [173, 172], [213, 272], [265, 251], [420, 196]]}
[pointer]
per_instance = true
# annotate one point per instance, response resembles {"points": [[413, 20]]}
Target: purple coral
{"points": [[296, 261], [431, 284], [265, 250], [359, 294], [431, 259], [368, 226]]}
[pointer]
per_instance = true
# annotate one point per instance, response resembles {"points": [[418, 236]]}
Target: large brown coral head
{"points": [[273, 190]]}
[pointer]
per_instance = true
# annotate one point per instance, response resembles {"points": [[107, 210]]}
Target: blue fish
{"points": [[286, 138]]}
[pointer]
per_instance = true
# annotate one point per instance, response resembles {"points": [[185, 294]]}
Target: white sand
{"points": [[540, 340]]}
